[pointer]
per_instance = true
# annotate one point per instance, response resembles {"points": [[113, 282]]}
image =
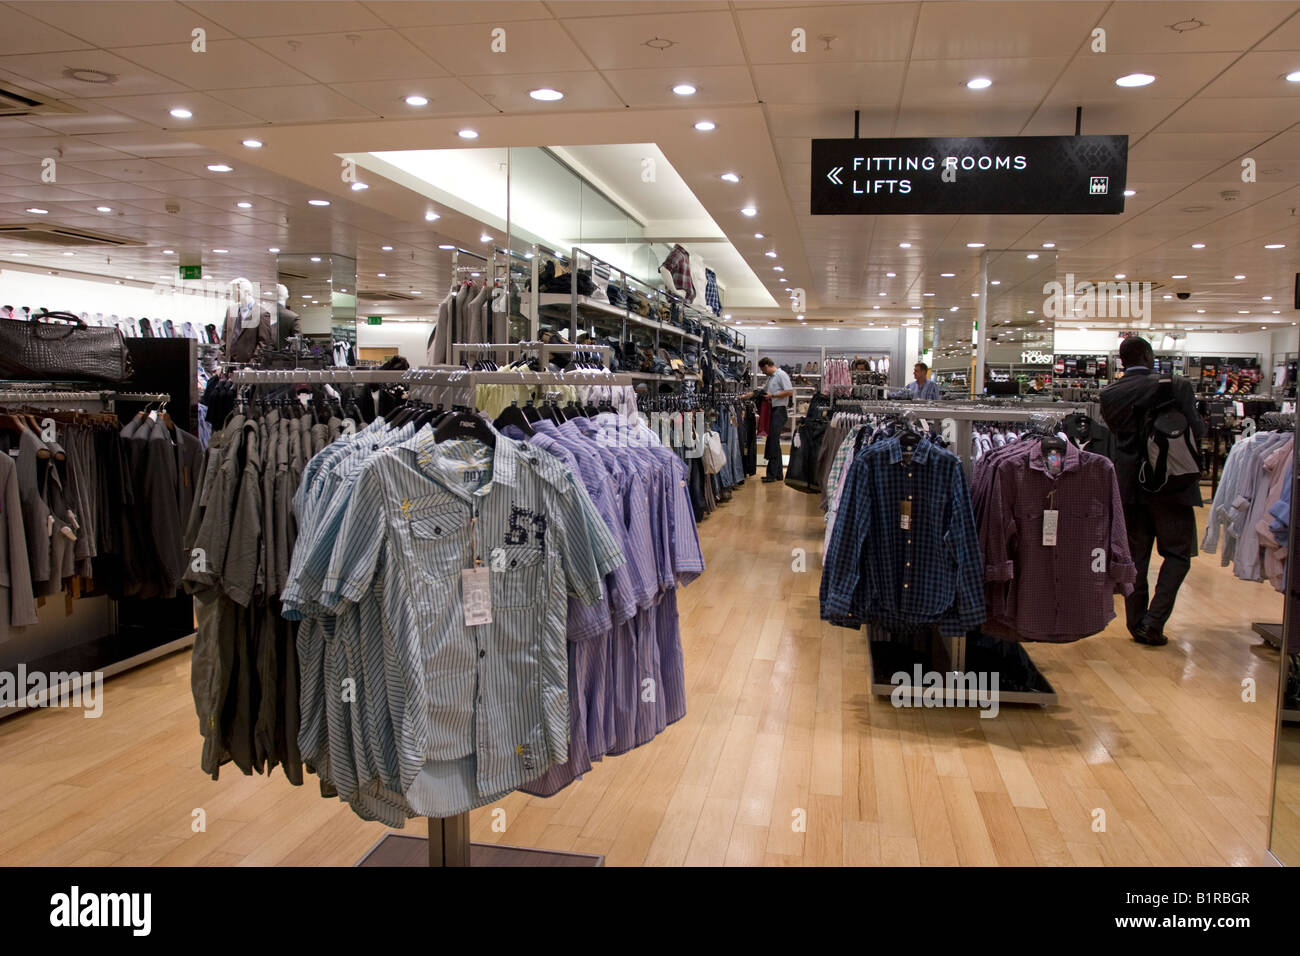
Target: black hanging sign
{"points": [[990, 175]]}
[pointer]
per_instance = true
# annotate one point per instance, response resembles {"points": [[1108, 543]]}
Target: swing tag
{"points": [[1050, 519], [905, 515], [476, 595]]}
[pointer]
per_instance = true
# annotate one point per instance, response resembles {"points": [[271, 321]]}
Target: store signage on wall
{"points": [[191, 272], [1040, 175], [374, 320], [1035, 357]]}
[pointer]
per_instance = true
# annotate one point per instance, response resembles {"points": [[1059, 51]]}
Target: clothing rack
{"points": [[544, 350], [11, 395], [963, 417], [316, 376]]}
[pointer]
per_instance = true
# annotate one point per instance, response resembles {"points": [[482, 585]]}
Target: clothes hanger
{"points": [[463, 424], [514, 415]]}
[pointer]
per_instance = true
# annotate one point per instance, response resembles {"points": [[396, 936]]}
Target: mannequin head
{"points": [[282, 293], [241, 290]]}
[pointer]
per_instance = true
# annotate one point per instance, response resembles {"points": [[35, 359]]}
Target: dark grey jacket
{"points": [[1124, 405]]}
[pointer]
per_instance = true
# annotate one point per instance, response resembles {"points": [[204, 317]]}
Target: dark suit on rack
{"points": [[1166, 520]]}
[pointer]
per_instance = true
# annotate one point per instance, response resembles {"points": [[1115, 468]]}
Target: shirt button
{"points": [[907, 564], [482, 653], [905, 585]]}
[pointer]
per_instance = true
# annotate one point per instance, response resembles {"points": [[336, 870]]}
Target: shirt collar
{"points": [[921, 454], [1135, 368], [505, 460], [1038, 461]]}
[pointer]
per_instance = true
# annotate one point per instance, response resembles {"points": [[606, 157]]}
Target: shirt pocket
{"points": [[437, 537], [517, 576]]}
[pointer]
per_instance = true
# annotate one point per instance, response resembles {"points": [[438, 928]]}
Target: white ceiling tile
{"points": [[1187, 26], [226, 64], [1002, 29], [260, 19], [131, 169], [352, 57], [1191, 146], [1205, 115], [310, 103], [584, 9], [827, 122], [714, 85], [121, 22], [852, 85], [833, 33], [74, 124], [533, 46], [61, 147], [405, 13], [620, 43], [447, 96], [125, 78], [1285, 37], [155, 110], [120, 191], [943, 82], [25, 34], [582, 91], [1132, 118], [1258, 74], [149, 144], [1006, 119], [1178, 75]]}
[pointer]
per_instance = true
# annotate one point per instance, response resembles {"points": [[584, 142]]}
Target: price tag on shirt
{"points": [[1050, 519], [905, 515], [476, 595]]}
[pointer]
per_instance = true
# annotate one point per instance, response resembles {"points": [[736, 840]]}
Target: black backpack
{"points": [[1171, 460]]}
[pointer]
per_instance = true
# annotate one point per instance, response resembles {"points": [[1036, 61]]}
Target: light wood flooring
{"points": [[781, 727]]}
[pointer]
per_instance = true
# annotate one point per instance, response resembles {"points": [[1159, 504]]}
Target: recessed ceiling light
{"points": [[706, 126], [21, 255], [881, 293], [684, 89], [1031, 255], [485, 238], [758, 235], [1277, 311], [927, 294], [103, 209], [69, 253], [416, 292], [1049, 245], [1130, 192], [382, 275], [357, 187], [180, 113], [1239, 275], [947, 275], [891, 275], [1293, 78], [38, 211], [996, 282], [443, 246], [415, 99], [315, 258], [546, 94], [1243, 311], [169, 252], [244, 205], [467, 133], [730, 177], [1166, 297], [778, 268], [1198, 245], [905, 245], [1267, 298], [749, 211], [1135, 79], [1275, 245], [974, 245], [430, 216], [974, 295], [220, 168], [318, 202], [1120, 275], [979, 83], [221, 251], [1029, 312], [253, 143], [1200, 311], [1179, 276], [386, 248], [953, 309], [727, 315], [771, 253]]}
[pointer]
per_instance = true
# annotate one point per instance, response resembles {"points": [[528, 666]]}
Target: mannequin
{"points": [[287, 324], [676, 273], [669, 285], [248, 324]]}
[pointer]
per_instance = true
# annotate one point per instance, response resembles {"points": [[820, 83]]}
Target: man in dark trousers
{"points": [[1165, 519]]}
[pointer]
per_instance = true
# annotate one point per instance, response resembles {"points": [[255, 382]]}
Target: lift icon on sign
{"points": [[834, 175], [1099, 186]]}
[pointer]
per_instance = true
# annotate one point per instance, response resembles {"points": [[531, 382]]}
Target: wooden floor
{"points": [[784, 757]]}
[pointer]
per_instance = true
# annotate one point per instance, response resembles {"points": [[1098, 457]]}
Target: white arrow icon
{"points": [[834, 175]]}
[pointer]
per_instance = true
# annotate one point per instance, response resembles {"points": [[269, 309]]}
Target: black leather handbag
{"points": [[60, 347]]}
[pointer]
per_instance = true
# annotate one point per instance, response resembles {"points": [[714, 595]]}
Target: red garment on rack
{"points": [[764, 416]]}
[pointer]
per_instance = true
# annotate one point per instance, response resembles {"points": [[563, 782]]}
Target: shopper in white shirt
{"points": [[779, 392]]}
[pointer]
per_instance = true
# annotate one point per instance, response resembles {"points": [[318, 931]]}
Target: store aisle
{"points": [[781, 727]]}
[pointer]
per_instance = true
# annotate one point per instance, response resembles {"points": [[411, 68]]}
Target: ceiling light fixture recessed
{"points": [[947, 275], [318, 202], [357, 187], [1198, 245], [244, 205], [252, 143], [1049, 245], [546, 95], [706, 126], [169, 252], [979, 83], [684, 89], [905, 245], [273, 249], [996, 282], [749, 211], [1179, 276], [1130, 192], [771, 253], [315, 258], [431, 216], [221, 252], [1120, 275], [180, 112], [416, 292], [38, 211], [485, 238], [467, 133], [441, 246], [103, 209], [220, 168], [759, 235], [730, 177], [974, 245], [1240, 275], [1131, 80], [1293, 77], [1031, 255], [415, 99], [1275, 245], [386, 248]]}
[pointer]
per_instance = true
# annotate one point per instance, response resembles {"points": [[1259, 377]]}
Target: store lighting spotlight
{"points": [[1198, 245], [684, 89], [759, 235], [37, 211], [416, 100], [253, 143], [905, 245], [386, 248], [1239, 276], [1179, 276], [1049, 245], [485, 238], [357, 187], [1135, 79], [315, 258], [181, 113], [169, 252], [771, 253], [103, 209], [974, 245], [749, 211], [1130, 192], [430, 216], [1031, 255], [446, 246], [1293, 78], [546, 95], [244, 205], [979, 83], [947, 275], [467, 133], [1275, 245], [730, 177], [706, 126], [318, 202], [220, 168]]}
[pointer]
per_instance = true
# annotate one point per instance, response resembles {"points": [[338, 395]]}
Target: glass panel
{"points": [[1021, 322]]}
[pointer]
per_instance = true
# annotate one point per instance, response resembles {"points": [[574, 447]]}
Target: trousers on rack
{"points": [[773, 450], [1171, 527]]}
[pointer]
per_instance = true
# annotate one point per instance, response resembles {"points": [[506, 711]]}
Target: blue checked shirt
{"points": [[711, 298], [488, 705], [878, 571]]}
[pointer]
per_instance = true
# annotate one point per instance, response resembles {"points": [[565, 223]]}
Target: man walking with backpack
{"points": [[1157, 463]]}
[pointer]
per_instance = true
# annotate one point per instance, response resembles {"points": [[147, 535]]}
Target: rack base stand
{"points": [[1271, 633], [1019, 680], [448, 845]]}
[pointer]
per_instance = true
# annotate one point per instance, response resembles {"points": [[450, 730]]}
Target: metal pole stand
{"points": [[448, 844]]}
